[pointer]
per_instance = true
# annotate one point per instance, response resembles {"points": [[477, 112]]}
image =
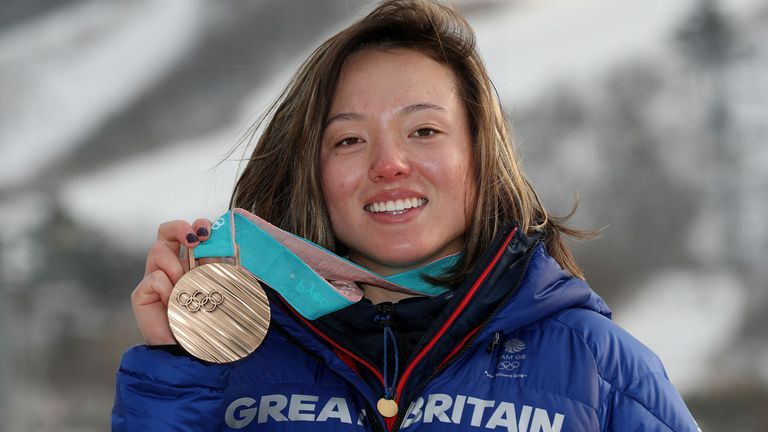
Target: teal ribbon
{"points": [[413, 278], [298, 283]]}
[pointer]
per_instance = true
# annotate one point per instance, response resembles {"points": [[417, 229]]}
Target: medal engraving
{"points": [[200, 300], [219, 312]]}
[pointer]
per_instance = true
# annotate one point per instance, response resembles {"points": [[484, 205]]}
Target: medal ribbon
{"points": [[312, 279]]}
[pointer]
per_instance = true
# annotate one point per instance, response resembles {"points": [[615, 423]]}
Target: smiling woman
{"points": [[390, 150]]}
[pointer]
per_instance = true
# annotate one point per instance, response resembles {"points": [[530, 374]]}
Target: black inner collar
{"points": [[356, 327]]}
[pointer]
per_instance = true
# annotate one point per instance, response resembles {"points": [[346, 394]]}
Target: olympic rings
{"points": [[218, 224], [200, 300], [506, 365]]}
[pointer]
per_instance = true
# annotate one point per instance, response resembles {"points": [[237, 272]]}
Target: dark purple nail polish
{"points": [[202, 232], [191, 238]]}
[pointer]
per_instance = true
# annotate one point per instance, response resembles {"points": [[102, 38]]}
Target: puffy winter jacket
{"points": [[547, 358]]}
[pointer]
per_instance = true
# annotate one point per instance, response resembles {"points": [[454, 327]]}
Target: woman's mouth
{"points": [[395, 207]]}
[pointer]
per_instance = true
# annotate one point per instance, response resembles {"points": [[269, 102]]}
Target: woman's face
{"points": [[396, 162]]}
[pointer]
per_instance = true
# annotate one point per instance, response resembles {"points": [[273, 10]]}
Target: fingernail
{"points": [[191, 238], [202, 232]]}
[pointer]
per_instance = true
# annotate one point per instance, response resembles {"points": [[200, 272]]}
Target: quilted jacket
{"points": [[522, 346]]}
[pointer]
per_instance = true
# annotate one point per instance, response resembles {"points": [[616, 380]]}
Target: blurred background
{"points": [[118, 115]]}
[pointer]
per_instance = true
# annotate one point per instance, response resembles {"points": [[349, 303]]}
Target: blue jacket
{"points": [[547, 359]]}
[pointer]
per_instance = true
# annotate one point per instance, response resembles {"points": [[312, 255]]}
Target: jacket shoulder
{"points": [[620, 358], [637, 389]]}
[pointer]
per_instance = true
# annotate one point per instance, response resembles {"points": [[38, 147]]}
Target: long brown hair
{"points": [[281, 181]]}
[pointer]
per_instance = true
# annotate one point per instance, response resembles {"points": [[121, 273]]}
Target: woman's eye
{"points": [[348, 141], [424, 132]]}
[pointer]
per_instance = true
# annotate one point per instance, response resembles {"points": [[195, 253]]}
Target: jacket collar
{"points": [[514, 284], [545, 289]]}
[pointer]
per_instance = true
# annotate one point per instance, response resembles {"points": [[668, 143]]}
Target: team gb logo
{"points": [[514, 346]]}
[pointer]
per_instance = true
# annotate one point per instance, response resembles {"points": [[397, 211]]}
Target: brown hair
{"points": [[281, 181]]}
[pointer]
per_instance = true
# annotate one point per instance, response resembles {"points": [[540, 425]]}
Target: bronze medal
{"points": [[218, 312]]}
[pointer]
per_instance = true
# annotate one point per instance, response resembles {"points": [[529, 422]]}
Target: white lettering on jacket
{"points": [[241, 412], [436, 408], [481, 413]]}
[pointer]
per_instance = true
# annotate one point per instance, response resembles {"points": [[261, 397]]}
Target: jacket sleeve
{"points": [[649, 403], [158, 389]]}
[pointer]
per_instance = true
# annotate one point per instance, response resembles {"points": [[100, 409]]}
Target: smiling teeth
{"points": [[395, 206]]}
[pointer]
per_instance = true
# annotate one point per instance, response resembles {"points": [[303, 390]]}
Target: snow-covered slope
{"points": [[64, 74]]}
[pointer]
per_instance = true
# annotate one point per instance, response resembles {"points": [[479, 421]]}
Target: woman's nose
{"points": [[389, 161]]}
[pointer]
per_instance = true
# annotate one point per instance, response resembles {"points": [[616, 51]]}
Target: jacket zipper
{"points": [[494, 342], [491, 350], [370, 411], [401, 415], [370, 415]]}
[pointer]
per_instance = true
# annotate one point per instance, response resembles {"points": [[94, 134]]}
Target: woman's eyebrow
{"points": [[344, 116], [410, 109]]}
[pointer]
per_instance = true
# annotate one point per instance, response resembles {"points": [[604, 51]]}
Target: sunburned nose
{"points": [[389, 162]]}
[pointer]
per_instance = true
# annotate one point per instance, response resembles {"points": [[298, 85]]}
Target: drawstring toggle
{"points": [[387, 406]]}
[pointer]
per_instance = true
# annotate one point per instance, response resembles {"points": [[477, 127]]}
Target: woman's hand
{"points": [[163, 270]]}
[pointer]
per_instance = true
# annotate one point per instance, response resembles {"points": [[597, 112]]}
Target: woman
{"points": [[389, 147]]}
